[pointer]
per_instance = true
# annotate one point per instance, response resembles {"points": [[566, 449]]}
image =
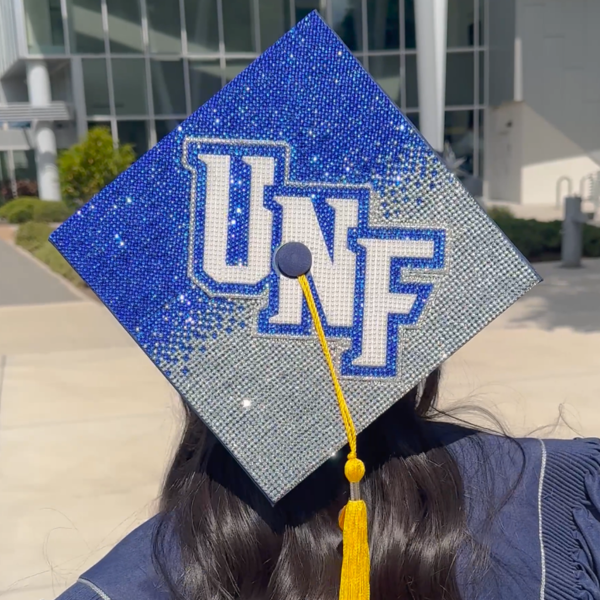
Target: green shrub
{"points": [[49, 255], [32, 235], [539, 240], [499, 212], [591, 241], [51, 212], [19, 210], [85, 168]]}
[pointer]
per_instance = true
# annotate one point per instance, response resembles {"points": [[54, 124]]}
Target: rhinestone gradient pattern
{"points": [[264, 390]]}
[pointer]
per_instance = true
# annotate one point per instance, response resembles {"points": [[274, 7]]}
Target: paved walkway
{"points": [[24, 281], [87, 422]]}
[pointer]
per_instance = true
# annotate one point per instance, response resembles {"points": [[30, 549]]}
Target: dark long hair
{"points": [[233, 544]]}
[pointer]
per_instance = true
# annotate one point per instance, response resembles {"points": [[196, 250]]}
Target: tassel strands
{"points": [[354, 583]]}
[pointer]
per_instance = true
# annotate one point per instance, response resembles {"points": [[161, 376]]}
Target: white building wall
{"points": [[503, 150], [555, 108]]}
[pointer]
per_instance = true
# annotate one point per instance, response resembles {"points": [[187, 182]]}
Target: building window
{"points": [[304, 7], [205, 81], [386, 72], [124, 26], [274, 17], [96, 124], [410, 77], [234, 68], [481, 24], [413, 117], [348, 23], [85, 20], [134, 133], [164, 127], [164, 26], [481, 84], [168, 89], [6, 181], [461, 23], [129, 82], [384, 24], [238, 25], [223, 36], [95, 86], [479, 168], [459, 133], [202, 26], [410, 33], [24, 165], [460, 84], [43, 21]]}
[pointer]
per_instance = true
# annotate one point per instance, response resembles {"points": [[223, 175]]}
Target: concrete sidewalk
{"points": [[25, 281], [87, 422]]}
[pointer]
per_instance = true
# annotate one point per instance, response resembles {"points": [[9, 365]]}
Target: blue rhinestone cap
{"points": [[301, 146]]}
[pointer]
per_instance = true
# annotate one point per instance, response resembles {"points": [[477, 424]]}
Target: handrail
{"points": [[559, 183]]}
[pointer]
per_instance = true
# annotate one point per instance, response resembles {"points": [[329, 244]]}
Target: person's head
{"points": [[234, 544]]}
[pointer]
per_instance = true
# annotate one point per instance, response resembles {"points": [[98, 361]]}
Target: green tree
{"points": [[85, 168]]}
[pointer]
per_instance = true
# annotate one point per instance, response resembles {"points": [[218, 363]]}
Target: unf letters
{"points": [[356, 272]]}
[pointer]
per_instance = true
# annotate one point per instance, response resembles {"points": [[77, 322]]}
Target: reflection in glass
{"points": [[458, 132], [164, 26], [412, 85], [347, 23], [238, 25], [6, 191], [274, 18], [129, 81], [461, 19], [305, 7], [460, 85], [95, 86], [413, 117], [124, 26], [25, 165], [43, 22], [202, 26], [134, 133], [234, 68], [85, 21], [96, 124], [481, 22], [164, 127], [205, 81], [410, 34], [168, 88], [481, 117], [383, 17], [386, 72], [482, 97]]}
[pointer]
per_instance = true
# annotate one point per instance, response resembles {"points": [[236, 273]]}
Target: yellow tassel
{"points": [[354, 584]]}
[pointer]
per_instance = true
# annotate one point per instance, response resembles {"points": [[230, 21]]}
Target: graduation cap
{"points": [[295, 242]]}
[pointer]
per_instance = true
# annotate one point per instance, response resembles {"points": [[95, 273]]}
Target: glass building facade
{"points": [[144, 65]]}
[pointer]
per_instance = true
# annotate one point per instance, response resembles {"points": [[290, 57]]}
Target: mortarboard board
{"points": [[304, 147]]}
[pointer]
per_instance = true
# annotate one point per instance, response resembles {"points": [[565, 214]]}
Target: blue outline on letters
{"points": [[318, 194]]}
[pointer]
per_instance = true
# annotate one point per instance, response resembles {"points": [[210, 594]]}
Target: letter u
{"points": [[218, 173]]}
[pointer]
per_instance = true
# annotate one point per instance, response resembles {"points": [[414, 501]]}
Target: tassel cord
{"points": [[354, 582]]}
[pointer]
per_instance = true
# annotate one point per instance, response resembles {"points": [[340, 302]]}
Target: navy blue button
{"points": [[293, 259]]}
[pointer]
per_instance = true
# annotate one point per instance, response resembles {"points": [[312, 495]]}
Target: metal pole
{"points": [[431, 24], [572, 233]]}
